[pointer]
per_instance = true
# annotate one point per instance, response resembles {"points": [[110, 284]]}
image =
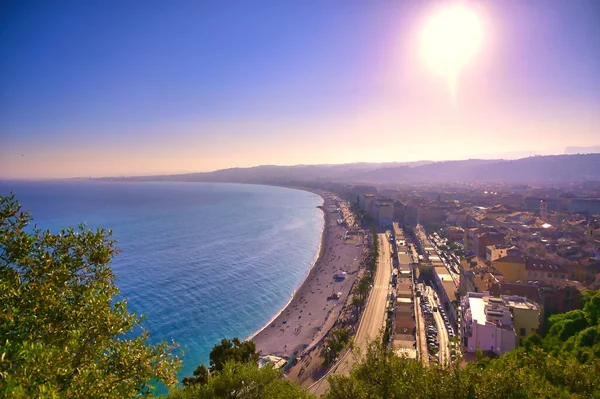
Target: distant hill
{"points": [[583, 150], [552, 168]]}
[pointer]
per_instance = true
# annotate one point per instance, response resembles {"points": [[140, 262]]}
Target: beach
{"points": [[311, 312]]}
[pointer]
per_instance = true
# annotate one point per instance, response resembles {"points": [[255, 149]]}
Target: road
{"points": [[371, 321], [443, 354], [421, 340]]}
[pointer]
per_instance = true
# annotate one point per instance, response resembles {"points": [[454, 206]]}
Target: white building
{"points": [[486, 324]]}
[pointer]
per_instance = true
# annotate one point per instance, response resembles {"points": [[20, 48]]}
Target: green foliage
{"points": [[242, 380], [576, 333], [518, 374], [357, 304], [374, 254], [200, 376], [363, 287], [357, 301], [565, 325], [338, 338], [234, 350], [62, 334], [591, 307]]}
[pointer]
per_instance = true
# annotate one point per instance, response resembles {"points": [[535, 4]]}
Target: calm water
{"points": [[203, 261]]}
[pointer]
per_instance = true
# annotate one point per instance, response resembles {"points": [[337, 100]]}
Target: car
{"points": [[435, 309]]}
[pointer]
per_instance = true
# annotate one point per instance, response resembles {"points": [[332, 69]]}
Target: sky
{"points": [[113, 88]]}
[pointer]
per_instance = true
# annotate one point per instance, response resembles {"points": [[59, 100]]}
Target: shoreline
{"points": [[311, 309], [314, 262]]}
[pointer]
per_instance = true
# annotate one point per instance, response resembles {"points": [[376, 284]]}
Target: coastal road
{"points": [[371, 321]]}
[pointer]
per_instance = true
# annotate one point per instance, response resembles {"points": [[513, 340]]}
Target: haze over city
{"points": [[137, 89]]}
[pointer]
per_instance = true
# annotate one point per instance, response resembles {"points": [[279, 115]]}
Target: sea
{"points": [[202, 261]]}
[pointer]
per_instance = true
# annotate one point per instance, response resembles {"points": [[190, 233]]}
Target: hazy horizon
{"points": [[114, 89]]}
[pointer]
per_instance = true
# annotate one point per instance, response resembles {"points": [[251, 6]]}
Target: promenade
{"points": [[372, 321]]}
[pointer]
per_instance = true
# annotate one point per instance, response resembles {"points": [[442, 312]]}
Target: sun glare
{"points": [[451, 37]]}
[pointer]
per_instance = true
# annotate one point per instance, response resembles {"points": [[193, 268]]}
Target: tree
{"points": [[242, 380], [236, 350], [357, 303], [364, 285], [62, 334], [338, 338], [517, 374], [200, 376], [591, 306]]}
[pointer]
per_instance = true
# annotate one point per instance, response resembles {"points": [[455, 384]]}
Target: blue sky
{"points": [[101, 88]]}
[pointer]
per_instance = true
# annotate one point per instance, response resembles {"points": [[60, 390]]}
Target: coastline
{"points": [[305, 317], [314, 262]]}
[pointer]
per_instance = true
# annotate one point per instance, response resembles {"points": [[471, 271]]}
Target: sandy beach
{"points": [[310, 313]]}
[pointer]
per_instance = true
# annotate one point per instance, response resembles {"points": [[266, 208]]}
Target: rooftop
{"points": [[542, 265], [519, 302], [511, 259], [477, 306]]}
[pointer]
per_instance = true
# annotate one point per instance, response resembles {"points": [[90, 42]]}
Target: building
{"points": [[385, 213], [511, 267], [493, 252], [518, 268], [431, 214], [366, 202], [551, 297], [457, 218], [483, 240], [469, 239], [486, 324], [543, 210], [476, 240], [589, 205], [526, 316], [454, 233], [399, 208], [541, 269]]}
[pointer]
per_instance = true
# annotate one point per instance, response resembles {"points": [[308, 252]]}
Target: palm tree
{"points": [[357, 303]]}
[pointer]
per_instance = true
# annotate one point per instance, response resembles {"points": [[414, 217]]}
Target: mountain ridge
{"points": [[548, 168]]}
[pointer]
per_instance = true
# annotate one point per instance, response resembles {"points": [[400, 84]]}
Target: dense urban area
{"points": [[457, 273]]}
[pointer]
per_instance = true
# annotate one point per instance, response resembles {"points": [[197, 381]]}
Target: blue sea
{"points": [[203, 261]]}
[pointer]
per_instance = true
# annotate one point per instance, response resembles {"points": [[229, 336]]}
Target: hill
{"points": [[552, 168]]}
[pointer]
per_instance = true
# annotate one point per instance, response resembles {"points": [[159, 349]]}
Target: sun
{"points": [[450, 39]]}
